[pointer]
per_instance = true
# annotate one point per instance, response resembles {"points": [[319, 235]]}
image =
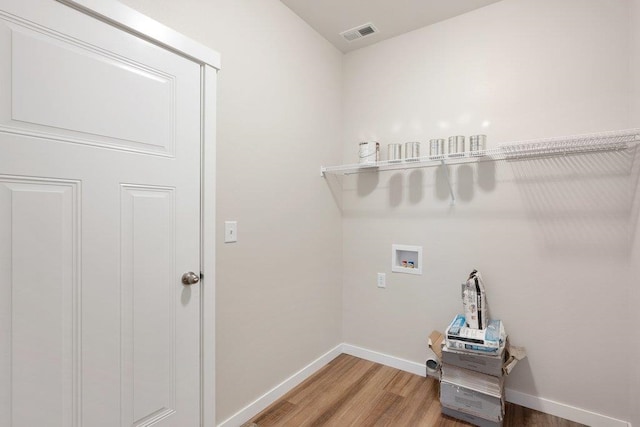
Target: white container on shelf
{"points": [[368, 152], [456, 145], [394, 153], [477, 143], [412, 150], [436, 147]]}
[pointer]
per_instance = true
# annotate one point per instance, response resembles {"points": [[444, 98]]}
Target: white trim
{"points": [[547, 406], [141, 25], [538, 403], [281, 389], [385, 359], [562, 410], [208, 248]]}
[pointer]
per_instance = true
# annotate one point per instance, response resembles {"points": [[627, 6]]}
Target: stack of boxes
{"points": [[474, 363], [472, 376]]}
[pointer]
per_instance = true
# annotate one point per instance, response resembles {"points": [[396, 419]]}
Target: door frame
{"points": [[134, 22]]}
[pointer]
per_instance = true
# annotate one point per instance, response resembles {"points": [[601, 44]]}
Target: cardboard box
{"points": [[488, 340], [514, 354], [472, 419], [436, 342], [510, 356], [485, 384], [473, 402], [472, 392], [490, 364], [434, 357]]}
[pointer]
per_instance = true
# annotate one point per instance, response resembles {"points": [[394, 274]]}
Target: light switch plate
{"points": [[230, 231]]}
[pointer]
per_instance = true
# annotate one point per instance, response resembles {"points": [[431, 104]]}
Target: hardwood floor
{"points": [[354, 392]]}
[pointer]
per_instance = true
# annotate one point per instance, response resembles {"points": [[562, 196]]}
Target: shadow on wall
{"points": [[367, 183], [412, 187], [582, 203], [415, 188], [465, 180], [396, 188], [579, 204], [416, 192], [635, 203], [335, 186], [465, 183]]}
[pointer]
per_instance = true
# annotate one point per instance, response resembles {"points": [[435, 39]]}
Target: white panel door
{"points": [[99, 219]]}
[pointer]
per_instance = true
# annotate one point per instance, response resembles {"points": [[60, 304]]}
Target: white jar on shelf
{"points": [[368, 152]]}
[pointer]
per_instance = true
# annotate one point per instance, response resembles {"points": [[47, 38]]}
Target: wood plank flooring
{"points": [[354, 392]]}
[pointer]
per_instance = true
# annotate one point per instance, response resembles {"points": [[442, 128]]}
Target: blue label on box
{"points": [[458, 323]]}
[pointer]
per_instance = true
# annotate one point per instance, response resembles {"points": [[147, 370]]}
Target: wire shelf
{"points": [[578, 144], [607, 141]]}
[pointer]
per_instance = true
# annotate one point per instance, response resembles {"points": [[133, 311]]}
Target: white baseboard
{"points": [[562, 410], [280, 390], [385, 359], [534, 402], [538, 403]]}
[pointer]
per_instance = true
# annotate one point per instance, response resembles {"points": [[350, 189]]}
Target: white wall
{"points": [[544, 241], [634, 45], [634, 264], [634, 295], [279, 287], [550, 236]]}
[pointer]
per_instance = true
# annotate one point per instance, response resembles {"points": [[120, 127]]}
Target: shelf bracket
{"points": [[453, 196]]}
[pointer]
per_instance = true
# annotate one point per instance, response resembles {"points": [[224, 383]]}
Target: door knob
{"points": [[189, 278]]}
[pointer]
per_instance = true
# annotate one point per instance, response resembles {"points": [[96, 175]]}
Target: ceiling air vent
{"points": [[359, 32]]}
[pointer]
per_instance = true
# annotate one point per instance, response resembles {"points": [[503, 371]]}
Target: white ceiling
{"points": [[390, 17]]}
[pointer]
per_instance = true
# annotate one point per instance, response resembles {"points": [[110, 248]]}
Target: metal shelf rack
{"points": [[549, 147]]}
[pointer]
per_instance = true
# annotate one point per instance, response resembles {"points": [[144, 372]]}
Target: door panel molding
{"points": [[43, 60], [40, 265], [45, 20], [148, 294]]}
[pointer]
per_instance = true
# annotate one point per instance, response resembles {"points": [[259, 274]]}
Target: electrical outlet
{"points": [[382, 280]]}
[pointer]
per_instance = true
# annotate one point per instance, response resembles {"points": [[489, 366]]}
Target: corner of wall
{"points": [[634, 63]]}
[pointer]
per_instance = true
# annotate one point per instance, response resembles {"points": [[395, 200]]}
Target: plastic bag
{"points": [[474, 301]]}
